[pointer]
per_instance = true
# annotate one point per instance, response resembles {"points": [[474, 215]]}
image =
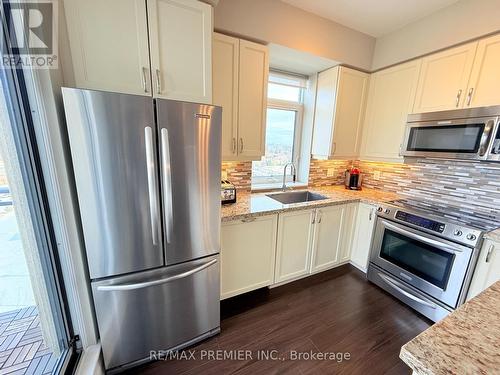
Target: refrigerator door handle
{"points": [[152, 183], [146, 284], [167, 183]]}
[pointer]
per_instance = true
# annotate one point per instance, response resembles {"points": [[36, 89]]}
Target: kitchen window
{"points": [[283, 129]]}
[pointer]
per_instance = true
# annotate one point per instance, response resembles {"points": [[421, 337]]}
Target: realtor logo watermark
{"points": [[32, 35]]}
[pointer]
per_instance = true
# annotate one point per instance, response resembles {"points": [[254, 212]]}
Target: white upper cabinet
{"points": [[484, 82], [339, 112], [240, 75], [109, 45], [444, 78], [390, 98], [225, 73], [252, 103], [112, 48], [180, 34]]}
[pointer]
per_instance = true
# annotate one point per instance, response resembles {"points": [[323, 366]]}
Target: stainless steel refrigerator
{"points": [[148, 181]]}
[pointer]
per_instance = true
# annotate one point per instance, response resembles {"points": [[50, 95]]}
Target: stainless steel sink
{"points": [[296, 197]]}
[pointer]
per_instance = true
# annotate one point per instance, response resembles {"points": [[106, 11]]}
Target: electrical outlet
{"points": [[224, 175], [330, 172], [376, 175]]}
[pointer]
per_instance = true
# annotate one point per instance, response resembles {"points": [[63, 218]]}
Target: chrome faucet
{"points": [[294, 174]]}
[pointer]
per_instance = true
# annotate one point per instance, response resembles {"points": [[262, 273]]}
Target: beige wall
{"points": [[462, 21], [273, 21]]}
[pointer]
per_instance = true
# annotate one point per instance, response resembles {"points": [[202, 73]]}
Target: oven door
{"points": [[452, 139], [430, 264]]}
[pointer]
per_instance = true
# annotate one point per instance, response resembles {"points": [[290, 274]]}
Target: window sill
{"points": [[277, 186]]}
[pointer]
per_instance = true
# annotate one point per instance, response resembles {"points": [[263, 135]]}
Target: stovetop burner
{"points": [[458, 215]]}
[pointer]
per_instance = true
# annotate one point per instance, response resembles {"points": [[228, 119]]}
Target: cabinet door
{"points": [[390, 99], [252, 103], [349, 113], [347, 235], [487, 270], [363, 229], [327, 236], [443, 79], [485, 78], [225, 89], [109, 45], [293, 251], [180, 35], [324, 113], [247, 255]]}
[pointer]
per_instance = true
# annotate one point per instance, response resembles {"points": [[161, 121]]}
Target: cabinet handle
{"points": [[334, 147], [233, 145], [459, 94], [158, 82], [241, 145], [320, 214], [144, 84], [370, 216], [469, 96], [490, 251], [313, 218]]}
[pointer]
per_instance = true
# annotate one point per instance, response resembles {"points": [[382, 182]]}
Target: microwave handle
{"points": [[428, 241], [485, 138]]}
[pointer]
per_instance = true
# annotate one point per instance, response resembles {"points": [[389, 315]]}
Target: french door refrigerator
{"points": [[147, 176]]}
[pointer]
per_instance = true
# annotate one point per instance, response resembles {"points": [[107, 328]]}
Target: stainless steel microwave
{"points": [[464, 134]]}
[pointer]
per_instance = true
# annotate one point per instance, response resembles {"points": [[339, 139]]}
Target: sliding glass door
{"points": [[36, 335]]}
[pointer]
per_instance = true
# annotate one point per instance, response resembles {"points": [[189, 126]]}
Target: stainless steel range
{"points": [[425, 254]]}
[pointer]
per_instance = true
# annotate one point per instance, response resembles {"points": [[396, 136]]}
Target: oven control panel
{"points": [[419, 221], [452, 231]]}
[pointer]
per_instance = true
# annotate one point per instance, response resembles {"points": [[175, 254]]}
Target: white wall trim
{"points": [[91, 361], [46, 113]]}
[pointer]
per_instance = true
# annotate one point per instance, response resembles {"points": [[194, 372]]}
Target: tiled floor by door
{"points": [[22, 350], [15, 285]]}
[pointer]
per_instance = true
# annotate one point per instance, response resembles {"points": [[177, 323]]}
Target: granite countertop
{"points": [[258, 204], [465, 342]]}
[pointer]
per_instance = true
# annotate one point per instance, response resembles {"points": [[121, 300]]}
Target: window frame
{"points": [[298, 108]]}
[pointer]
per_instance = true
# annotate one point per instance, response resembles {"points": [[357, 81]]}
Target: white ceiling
{"points": [[372, 17]]}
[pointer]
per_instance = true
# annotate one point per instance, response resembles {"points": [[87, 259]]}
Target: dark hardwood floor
{"points": [[335, 311]]}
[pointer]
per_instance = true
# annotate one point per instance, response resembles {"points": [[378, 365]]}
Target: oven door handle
{"points": [[396, 285], [428, 241]]}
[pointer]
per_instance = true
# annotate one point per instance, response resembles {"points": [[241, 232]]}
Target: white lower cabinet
{"points": [[248, 249], [312, 241], [364, 222], [276, 249], [348, 230], [293, 250], [327, 238], [487, 269]]}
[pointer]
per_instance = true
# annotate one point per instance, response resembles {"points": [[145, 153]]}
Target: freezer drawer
{"points": [[156, 310]]}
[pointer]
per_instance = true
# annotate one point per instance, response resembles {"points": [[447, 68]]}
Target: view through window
{"points": [[283, 128]]}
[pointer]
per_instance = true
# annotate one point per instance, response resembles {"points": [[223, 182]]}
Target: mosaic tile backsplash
{"points": [[469, 185], [239, 173]]}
